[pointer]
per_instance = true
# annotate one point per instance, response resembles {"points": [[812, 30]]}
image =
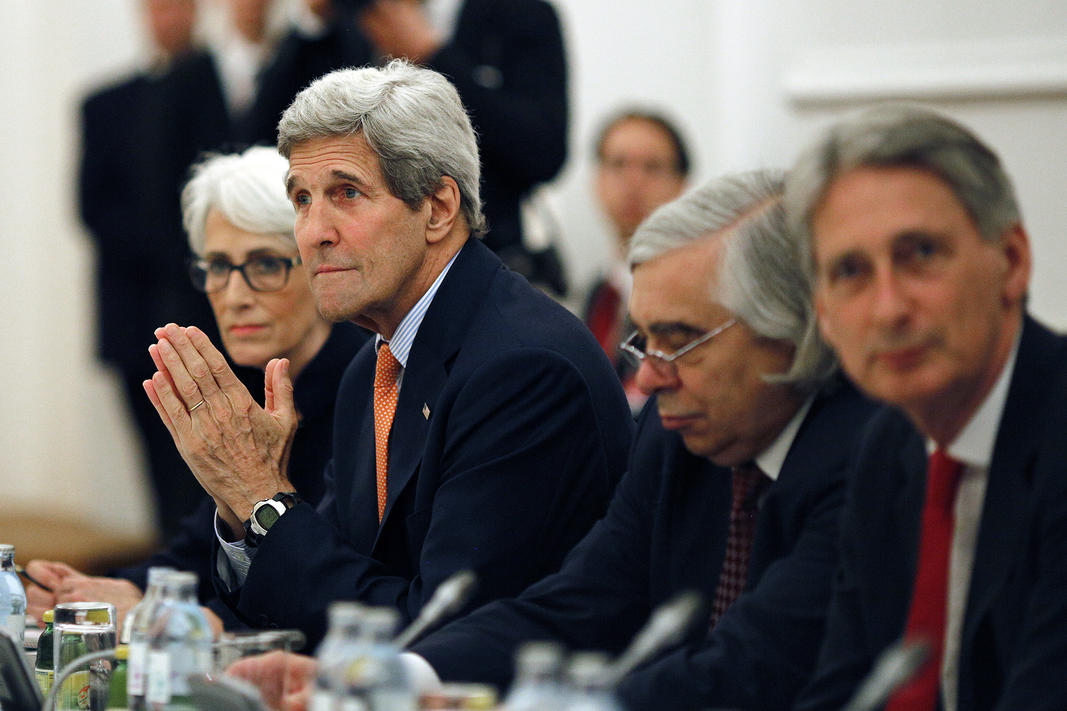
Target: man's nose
{"points": [[654, 375]]}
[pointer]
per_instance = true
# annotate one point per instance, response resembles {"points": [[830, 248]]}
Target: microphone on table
{"points": [[446, 599], [664, 628], [896, 666]]}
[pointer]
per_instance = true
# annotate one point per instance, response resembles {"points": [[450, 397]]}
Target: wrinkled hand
{"points": [[82, 588], [50, 573], [285, 680], [237, 450], [398, 28]]}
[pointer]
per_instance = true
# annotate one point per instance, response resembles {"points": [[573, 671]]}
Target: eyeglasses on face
{"points": [[636, 346], [263, 273]]}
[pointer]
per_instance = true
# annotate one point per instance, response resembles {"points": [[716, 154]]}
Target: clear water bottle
{"points": [[179, 645], [589, 686], [375, 679], [537, 685], [339, 644], [12, 596], [135, 635]]}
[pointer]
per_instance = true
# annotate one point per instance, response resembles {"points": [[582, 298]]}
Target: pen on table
{"points": [[22, 571]]}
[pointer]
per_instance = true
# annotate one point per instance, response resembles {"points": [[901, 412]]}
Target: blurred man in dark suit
{"points": [[129, 180], [953, 535], [506, 58]]}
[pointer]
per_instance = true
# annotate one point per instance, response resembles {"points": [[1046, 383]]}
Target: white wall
{"points": [[749, 80]]}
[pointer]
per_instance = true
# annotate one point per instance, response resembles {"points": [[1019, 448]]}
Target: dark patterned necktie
{"points": [[748, 481]]}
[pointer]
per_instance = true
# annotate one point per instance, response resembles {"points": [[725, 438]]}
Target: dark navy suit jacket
{"points": [[666, 532], [510, 434], [1014, 645]]}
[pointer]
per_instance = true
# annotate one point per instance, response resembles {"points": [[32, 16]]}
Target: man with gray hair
{"points": [[953, 535], [735, 479], [484, 429]]}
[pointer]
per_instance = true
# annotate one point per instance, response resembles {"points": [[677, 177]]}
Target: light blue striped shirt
{"points": [[237, 553]]}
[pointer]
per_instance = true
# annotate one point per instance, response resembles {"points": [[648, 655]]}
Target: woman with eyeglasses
{"points": [[240, 227]]}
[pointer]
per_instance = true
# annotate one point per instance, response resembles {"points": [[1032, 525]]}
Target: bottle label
{"points": [[158, 682], [45, 677], [135, 668]]}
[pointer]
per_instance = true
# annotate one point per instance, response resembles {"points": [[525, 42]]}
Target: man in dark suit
{"points": [[506, 58], [921, 270], [497, 429], [130, 174], [727, 348]]}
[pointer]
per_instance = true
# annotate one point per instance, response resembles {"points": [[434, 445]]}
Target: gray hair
{"points": [[903, 135], [411, 117], [760, 279], [248, 189]]}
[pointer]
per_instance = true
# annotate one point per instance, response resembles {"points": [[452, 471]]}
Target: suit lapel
{"points": [[1009, 485]]}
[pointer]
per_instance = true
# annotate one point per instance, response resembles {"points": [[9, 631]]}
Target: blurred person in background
{"points": [[240, 226], [641, 163], [131, 213], [508, 62]]}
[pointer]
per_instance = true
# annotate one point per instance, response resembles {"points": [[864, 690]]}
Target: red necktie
{"points": [[747, 481], [385, 389], [926, 618]]}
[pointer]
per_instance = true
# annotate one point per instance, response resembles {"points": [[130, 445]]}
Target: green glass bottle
{"points": [[116, 699], [44, 667]]}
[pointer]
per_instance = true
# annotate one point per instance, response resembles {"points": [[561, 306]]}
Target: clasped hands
{"points": [[236, 449]]}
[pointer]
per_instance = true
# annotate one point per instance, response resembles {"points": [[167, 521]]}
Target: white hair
{"points": [[248, 189], [760, 279]]}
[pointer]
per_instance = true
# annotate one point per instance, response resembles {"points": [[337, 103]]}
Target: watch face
{"points": [[266, 516]]}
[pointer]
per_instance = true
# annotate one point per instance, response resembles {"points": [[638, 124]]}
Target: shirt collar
{"points": [[404, 336], [771, 459], [974, 444]]}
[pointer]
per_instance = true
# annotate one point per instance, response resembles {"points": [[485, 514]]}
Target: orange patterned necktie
{"points": [[385, 389]]}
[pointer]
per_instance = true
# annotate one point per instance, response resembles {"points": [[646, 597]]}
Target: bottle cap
{"points": [[48, 616]]}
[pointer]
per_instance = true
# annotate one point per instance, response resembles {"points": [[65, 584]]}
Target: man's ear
{"points": [[444, 209], [1017, 264]]}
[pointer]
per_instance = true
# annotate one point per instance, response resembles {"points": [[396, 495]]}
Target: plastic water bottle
{"points": [[338, 646], [537, 684], [135, 634], [12, 596], [179, 645], [589, 687], [375, 679]]}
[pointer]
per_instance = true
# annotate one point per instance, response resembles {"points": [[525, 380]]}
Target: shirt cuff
{"points": [[421, 674], [238, 555]]}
